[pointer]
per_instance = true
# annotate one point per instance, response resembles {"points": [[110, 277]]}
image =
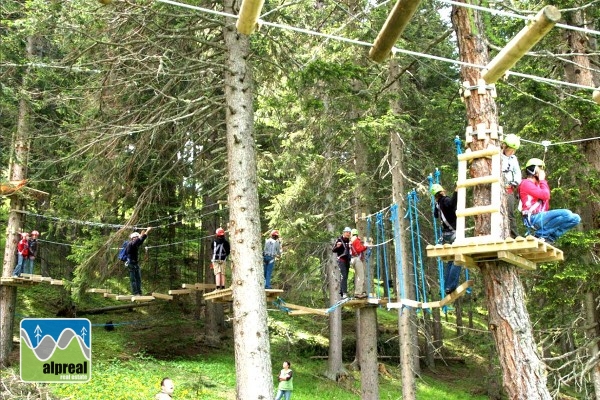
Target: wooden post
{"points": [[249, 13], [521, 44], [392, 29]]}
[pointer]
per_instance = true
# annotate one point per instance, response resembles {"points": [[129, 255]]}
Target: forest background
{"points": [[121, 111]]}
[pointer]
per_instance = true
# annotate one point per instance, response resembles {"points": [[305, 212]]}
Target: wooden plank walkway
{"points": [[449, 299], [524, 252], [226, 295], [30, 279]]}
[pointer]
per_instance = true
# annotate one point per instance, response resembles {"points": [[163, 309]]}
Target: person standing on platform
{"points": [[271, 253], [220, 251], [445, 209], [511, 175], [22, 254], [133, 248], [357, 251], [33, 251], [342, 249]]}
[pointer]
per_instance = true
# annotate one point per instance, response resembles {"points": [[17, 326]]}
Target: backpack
{"points": [[123, 252]]}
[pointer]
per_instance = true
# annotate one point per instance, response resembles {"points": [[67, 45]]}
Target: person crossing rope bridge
{"points": [[445, 209]]}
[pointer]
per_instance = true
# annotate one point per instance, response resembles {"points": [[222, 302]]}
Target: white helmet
{"points": [[134, 235]]}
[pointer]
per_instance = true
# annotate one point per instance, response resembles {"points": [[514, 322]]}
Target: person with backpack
{"points": [[357, 252], [534, 204], [133, 248], [22, 254], [511, 175], [220, 249], [445, 210], [271, 252], [341, 248]]}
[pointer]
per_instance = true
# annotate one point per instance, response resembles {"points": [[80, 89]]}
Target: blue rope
{"points": [[409, 213], [280, 303], [458, 145], [378, 222], [416, 246], [386, 270], [398, 249], [368, 279]]}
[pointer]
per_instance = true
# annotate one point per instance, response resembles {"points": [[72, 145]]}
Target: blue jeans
{"points": [[451, 276], [269, 263], [283, 393], [554, 223], [19, 268], [28, 267], [135, 277]]}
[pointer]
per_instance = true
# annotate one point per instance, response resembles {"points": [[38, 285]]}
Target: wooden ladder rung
{"points": [[467, 212], [482, 180]]}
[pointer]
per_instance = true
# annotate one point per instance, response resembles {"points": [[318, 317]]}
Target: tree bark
{"points": [[524, 375], [17, 172], [407, 321], [250, 329]]}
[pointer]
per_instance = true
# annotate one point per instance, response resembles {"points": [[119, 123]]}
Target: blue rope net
{"points": [[398, 249]]}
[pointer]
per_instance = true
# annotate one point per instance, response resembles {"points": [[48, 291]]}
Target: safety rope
{"points": [[437, 232], [398, 249], [280, 304], [419, 272], [381, 235], [368, 279]]}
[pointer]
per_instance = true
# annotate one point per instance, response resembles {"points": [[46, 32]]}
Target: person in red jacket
{"points": [[22, 254], [534, 204], [357, 251]]}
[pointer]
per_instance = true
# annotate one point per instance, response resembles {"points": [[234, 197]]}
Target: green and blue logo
{"points": [[56, 350]]}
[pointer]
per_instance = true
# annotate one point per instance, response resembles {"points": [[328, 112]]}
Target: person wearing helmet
{"points": [[445, 210], [133, 249], [511, 174], [534, 204], [220, 249], [33, 250], [357, 251], [22, 254], [272, 251], [341, 248]]}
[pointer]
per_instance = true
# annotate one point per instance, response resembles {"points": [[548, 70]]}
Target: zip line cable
{"points": [[368, 44]]}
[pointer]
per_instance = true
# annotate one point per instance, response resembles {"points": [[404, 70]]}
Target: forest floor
{"points": [[166, 339]]}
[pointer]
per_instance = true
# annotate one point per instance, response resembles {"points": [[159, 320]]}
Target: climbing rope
{"points": [[419, 272], [398, 249], [380, 236]]}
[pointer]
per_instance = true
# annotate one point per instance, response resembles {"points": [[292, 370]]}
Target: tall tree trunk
{"points": [[407, 321], [523, 372], [580, 72], [250, 329], [335, 366], [17, 171], [366, 343]]}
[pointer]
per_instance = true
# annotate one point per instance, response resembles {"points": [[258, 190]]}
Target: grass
{"points": [[154, 342]]}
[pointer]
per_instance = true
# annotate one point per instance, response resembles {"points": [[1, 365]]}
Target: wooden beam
{"points": [[96, 290], [521, 43], [198, 286], [471, 155], [404, 303], [464, 261], [249, 13], [124, 297], [306, 310], [141, 298], [162, 296], [392, 29], [459, 292], [467, 212], [482, 180], [180, 291], [516, 260]]}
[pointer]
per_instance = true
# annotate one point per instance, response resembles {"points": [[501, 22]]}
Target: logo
{"points": [[56, 350]]}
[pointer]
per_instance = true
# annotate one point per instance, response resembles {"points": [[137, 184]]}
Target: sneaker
{"points": [[448, 291], [362, 295], [344, 296]]}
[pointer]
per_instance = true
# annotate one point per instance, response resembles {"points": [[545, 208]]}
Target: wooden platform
{"points": [[29, 279], [522, 252], [226, 295], [459, 292]]}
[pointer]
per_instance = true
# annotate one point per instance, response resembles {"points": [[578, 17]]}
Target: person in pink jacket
{"points": [[534, 204]]}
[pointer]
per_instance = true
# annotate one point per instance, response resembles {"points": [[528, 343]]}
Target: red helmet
{"points": [[220, 232], [36, 233], [274, 232]]}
